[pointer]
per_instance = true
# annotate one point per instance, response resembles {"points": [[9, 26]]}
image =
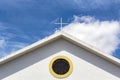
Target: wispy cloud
{"points": [[93, 4], [7, 45], [100, 34], [2, 43]]}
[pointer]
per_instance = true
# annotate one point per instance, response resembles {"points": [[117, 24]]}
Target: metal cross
{"points": [[61, 23]]}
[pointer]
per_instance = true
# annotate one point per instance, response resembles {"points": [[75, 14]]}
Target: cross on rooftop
{"points": [[61, 23]]}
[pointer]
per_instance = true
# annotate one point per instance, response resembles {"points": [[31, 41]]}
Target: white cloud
{"points": [[100, 34], [2, 43], [8, 46], [94, 4], [16, 45]]}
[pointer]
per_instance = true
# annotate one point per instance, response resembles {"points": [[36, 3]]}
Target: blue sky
{"points": [[23, 22]]}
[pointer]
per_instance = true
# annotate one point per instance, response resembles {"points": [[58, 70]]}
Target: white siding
{"points": [[35, 65]]}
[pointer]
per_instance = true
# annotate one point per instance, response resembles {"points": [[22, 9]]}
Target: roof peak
{"points": [[55, 36]]}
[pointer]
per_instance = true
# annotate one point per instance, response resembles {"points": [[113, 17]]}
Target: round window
{"points": [[61, 67]]}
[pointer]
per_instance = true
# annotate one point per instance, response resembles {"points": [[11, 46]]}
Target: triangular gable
{"points": [[55, 37]]}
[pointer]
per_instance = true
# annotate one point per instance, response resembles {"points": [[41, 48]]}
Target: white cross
{"points": [[61, 23]]}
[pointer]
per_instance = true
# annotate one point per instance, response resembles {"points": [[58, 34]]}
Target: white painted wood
{"points": [[35, 65]]}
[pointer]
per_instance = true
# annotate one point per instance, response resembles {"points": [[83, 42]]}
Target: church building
{"points": [[59, 57]]}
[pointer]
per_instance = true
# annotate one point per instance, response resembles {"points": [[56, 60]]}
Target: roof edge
{"points": [[31, 47], [55, 36], [91, 49]]}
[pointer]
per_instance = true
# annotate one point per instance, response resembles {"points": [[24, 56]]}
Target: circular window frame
{"points": [[63, 75]]}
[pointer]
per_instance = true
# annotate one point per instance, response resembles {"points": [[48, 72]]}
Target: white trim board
{"points": [[56, 36]]}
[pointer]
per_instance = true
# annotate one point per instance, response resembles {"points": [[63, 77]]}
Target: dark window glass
{"points": [[60, 66]]}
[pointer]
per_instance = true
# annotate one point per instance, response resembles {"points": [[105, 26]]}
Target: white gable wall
{"points": [[35, 65]]}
